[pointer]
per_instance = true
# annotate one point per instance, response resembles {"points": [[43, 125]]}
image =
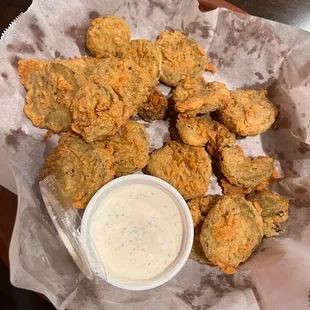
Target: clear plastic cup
{"points": [[92, 255]]}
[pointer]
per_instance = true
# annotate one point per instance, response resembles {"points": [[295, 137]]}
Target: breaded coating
{"points": [[194, 96], [250, 112], [244, 172], [203, 204], [80, 168], [155, 106], [193, 130], [97, 112], [195, 212], [234, 190], [197, 252], [181, 57], [187, 168], [274, 210], [199, 208], [106, 35], [145, 54], [230, 233], [199, 131], [130, 148], [127, 80], [51, 86]]}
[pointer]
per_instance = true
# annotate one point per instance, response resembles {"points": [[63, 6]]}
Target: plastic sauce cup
{"points": [[92, 255]]}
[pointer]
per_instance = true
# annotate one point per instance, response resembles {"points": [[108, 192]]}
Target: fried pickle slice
{"points": [[274, 210], [197, 252], [181, 57], [199, 131], [145, 54], [199, 208], [243, 171], [193, 130], [97, 112], [130, 148], [230, 233], [127, 80], [51, 87], [106, 35], [233, 190], [194, 96], [80, 168], [185, 167], [193, 206], [250, 112], [155, 107]]}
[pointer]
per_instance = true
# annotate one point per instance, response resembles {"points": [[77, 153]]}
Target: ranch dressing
{"points": [[137, 231]]}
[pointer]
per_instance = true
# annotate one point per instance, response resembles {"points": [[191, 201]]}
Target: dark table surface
{"points": [[291, 12]]}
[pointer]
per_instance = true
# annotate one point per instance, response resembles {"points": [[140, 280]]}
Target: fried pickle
{"points": [[127, 80], [244, 172], [198, 131], [145, 54], [196, 213], [196, 96], [155, 106], [51, 87], [130, 148], [199, 208], [106, 35], [230, 233], [250, 112], [181, 57], [274, 210], [233, 190], [97, 112], [80, 168], [197, 252], [187, 168]]}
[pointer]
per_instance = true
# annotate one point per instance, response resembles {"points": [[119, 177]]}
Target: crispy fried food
{"points": [[233, 190], [198, 131], [130, 148], [127, 80], [187, 168], [193, 130], [199, 208], [250, 112], [181, 57], [274, 210], [203, 205], [155, 107], [195, 96], [145, 54], [230, 233], [106, 35], [81, 168], [51, 87], [97, 112], [195, 212], [197, 252], [244, 172]]}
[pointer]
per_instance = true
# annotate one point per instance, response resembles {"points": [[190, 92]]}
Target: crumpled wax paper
{"points": [[249, 52]]}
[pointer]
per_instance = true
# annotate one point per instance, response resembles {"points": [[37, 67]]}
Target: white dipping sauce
{"points": [[137, 231]]}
